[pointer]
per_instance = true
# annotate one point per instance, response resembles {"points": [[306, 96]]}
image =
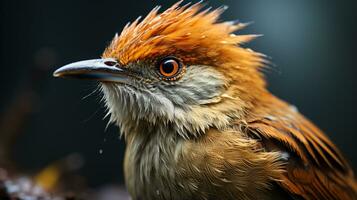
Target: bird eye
{"points": [[169, 68]]}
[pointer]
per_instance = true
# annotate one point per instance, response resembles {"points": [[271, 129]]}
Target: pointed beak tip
{"points": [[56, 74]]}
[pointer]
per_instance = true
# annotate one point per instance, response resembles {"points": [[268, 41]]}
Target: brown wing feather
{"points": [[315, 167]]}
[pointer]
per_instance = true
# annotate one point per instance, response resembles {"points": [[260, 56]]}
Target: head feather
{"points": [[188, 32]]}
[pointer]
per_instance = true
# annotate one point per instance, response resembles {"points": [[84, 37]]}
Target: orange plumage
{"points": [[317, 170], [215, 133]]}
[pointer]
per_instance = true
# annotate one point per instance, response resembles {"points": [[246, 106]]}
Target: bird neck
{"points": [[150, 157]]}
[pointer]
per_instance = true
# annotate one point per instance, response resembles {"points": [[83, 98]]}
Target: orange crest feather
{"points": [[188, 31]]}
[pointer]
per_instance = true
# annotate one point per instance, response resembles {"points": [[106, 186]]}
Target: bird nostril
{"points": [[110, 63]]}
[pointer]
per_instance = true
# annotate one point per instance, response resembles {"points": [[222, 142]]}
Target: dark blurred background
{"points": [[312, 45]]}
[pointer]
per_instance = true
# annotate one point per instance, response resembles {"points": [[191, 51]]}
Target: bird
{"points": [[191, 102]]}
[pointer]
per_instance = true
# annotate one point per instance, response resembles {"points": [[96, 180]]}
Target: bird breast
{"points": [[218, 165]]}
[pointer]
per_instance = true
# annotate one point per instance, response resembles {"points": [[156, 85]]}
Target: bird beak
{"points": [[105, 70]]}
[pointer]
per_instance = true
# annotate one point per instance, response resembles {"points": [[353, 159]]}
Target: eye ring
{"points": [[169, 68]]}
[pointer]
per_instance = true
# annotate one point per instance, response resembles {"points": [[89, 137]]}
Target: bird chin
{"points": [[129, 102]]}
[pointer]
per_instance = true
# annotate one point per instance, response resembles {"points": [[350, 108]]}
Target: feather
{"points": [[317, 169]]}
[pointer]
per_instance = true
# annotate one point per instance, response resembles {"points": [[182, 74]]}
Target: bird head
{"points": [[181, 69]]}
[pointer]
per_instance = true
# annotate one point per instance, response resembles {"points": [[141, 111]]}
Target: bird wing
{"points": [[315, 169]]}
